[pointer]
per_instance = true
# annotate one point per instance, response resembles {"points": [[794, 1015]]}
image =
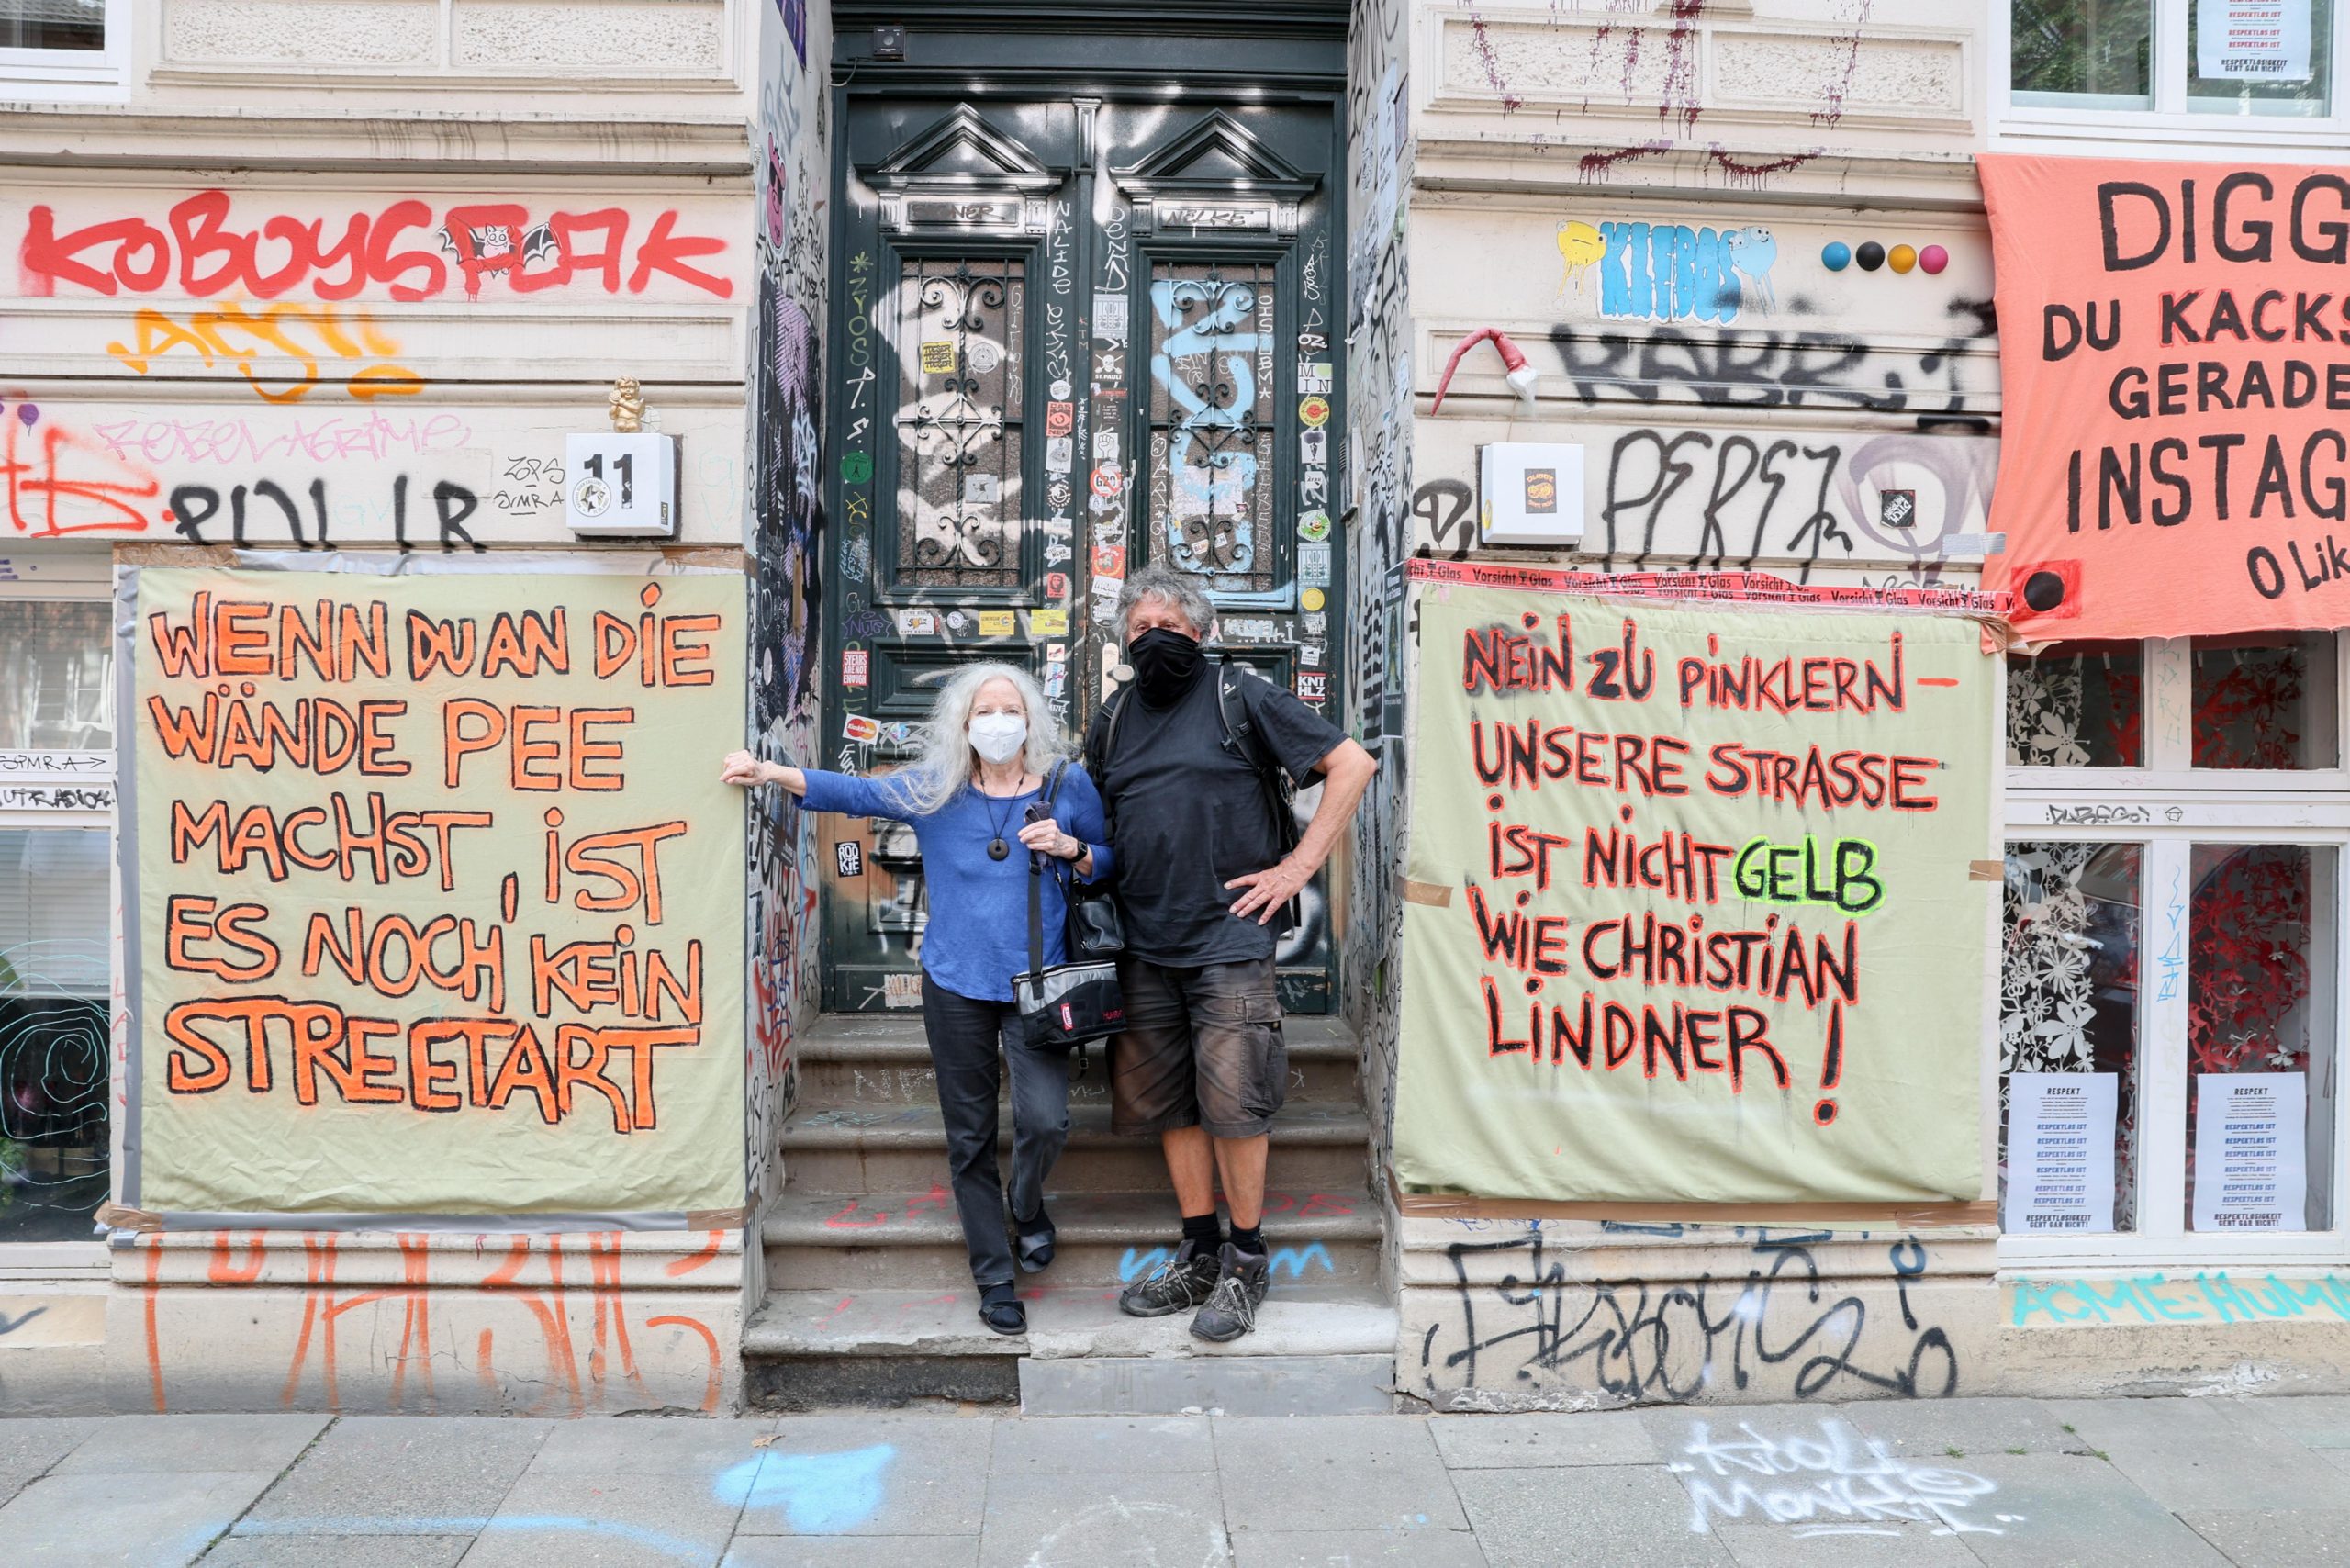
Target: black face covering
{"points": [[1166, 664]]}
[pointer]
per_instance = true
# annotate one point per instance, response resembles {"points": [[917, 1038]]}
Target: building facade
{"points": [[329, 286], [954, 315]]}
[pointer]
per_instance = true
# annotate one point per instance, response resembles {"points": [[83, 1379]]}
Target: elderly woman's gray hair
{"points": [[947, 761], [1184, 591]]}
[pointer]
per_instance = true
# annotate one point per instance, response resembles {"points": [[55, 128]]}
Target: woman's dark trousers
{"points": [[964, 1040]]}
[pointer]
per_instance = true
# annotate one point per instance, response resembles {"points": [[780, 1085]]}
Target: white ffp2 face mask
{"points": [[999, 736]]}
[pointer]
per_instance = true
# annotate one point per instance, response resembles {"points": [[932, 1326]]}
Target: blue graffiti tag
{"points": [[1669, 272], [1290, 1260], [1219, 482], [821, 1493]]}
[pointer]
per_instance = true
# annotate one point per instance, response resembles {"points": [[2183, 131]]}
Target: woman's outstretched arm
{"points": [[741, 767], [822, 791]]}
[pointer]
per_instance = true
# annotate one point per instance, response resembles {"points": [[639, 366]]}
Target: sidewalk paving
{"points": [[2262, 1482]]}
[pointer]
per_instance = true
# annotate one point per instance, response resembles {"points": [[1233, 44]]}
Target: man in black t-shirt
{"points": [[1184, 758]]}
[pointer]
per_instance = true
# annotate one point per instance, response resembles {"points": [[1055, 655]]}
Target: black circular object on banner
{"points": [[1870, 255], [2043, 592]]}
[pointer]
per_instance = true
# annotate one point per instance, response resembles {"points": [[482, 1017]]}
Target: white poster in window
{"points": [[2250, 1153], [2252, 40], [2060, 1152]]}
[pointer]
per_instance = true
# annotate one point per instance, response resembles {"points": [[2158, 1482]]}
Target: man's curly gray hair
{"points": [[1182, 591]]}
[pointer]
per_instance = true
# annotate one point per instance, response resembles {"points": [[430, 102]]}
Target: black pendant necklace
{"points": [[997, 847]]}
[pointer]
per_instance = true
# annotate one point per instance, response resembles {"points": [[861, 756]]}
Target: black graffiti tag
{"points": [[1641, 1342]]}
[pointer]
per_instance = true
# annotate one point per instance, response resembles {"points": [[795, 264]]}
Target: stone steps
{"points": [[833, 1147], [869, 1297], [914, 1240]]}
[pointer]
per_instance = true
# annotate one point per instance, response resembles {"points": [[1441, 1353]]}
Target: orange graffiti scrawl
{"points": [[2176, 396]]}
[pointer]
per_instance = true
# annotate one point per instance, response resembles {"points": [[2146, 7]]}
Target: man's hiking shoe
{"points": [[1178, 1284], [1240, 1286]]}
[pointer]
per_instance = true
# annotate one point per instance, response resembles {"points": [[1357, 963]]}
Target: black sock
{"points": [[1249, 1239], [1203, 1231]]}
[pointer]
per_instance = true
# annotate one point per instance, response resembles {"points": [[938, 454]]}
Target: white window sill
{"points": [[2184, 132]]}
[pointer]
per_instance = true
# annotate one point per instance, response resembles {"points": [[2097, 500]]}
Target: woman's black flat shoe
{"points": [[1036, 1245], [1001, 1311]]}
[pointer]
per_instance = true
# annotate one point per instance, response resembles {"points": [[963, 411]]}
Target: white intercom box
{"points": [[1531, 494], [621, 483]]}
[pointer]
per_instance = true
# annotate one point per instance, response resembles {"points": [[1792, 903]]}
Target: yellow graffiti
{"points": [[319, 337], [1579, 245]]}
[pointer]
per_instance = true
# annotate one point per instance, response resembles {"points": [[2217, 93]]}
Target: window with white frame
{"points": [[56, 953], [63, 47], [2177, 816], [2230, 70]]}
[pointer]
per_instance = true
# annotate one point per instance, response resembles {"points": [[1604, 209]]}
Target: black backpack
{"points": [[1240, 738]]}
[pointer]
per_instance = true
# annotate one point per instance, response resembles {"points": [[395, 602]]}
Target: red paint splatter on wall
{"points": [[1493, 67], [1599, 165], [1831, 109], [1754, 173]]}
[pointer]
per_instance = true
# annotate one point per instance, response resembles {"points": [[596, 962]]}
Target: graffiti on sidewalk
{"points": [[1779, 1331], [818, 1494], [1834, 1483]]}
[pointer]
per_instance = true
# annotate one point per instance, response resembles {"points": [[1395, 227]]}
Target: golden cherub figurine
{"points": [[628, 406]]}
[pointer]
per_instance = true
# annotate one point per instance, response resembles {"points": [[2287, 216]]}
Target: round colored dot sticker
{"points": [[1902, 258], [1933, 258], [1871, 255], [1836, 255], [1311, 599]]}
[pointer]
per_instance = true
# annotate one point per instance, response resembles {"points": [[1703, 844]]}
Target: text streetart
{"points": [[436, 913], [2177, 402], [1689, 907]]}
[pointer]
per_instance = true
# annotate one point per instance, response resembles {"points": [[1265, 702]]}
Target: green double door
{"points": [[1070, 335]]}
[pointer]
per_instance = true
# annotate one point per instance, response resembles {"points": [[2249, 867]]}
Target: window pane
{"points": [[2260, 1001], [2068, 985], [54, 986], [2266, 57], [959, 336], [2077, 705], [2082, 54], [1212, 422], [52, 23], [2266, 700], [56, 677]]}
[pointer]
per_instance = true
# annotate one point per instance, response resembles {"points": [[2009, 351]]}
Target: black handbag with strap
{"points": [[1067, 1005]]}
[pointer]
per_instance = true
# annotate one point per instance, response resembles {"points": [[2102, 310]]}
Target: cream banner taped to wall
{"points": [[440, 899], [1717, 939]]}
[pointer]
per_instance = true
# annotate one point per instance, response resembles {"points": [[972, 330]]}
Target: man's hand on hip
{"points": [[1270, 888]]}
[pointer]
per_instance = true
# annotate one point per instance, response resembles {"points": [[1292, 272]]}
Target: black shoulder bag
{"points": [[1067, 1005]]}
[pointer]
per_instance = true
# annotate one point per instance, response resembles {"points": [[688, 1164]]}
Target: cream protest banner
{"points": [[439, 899], [1689, 909]]}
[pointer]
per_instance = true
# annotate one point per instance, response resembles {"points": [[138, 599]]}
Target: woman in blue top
{"points": [[986, 754]]}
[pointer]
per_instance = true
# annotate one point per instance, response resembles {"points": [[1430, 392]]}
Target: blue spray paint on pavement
{"points": [[821, 1493]]}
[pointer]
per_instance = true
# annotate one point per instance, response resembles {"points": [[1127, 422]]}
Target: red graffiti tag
{"points": [[199, 252]]}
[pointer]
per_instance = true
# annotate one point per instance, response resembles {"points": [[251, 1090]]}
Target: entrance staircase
{"points": [[869, 1298]]}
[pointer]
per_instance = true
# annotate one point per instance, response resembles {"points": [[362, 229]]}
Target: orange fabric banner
{"points": [[2175, 358]]}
